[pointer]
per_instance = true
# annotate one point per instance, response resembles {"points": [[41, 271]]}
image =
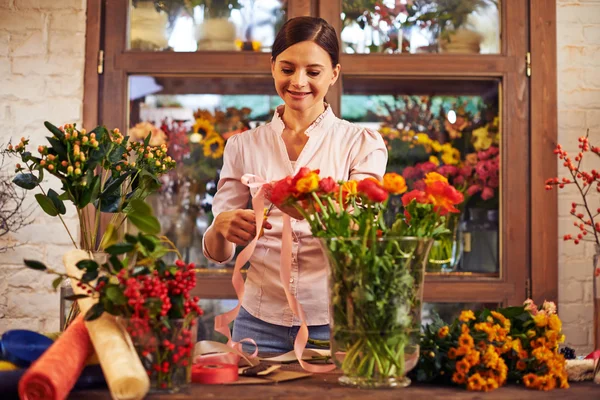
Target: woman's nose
{"points": [[299, 79]]}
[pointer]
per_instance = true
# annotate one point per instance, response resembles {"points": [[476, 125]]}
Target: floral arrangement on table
{"points": [[586, 215], [483, 350], [99, 169], [377, 266], [14, 213], [150, 298]]}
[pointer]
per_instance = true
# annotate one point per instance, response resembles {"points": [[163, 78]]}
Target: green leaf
{"points": [[90, 194], [87, 264], [75, 297], [58, 147], [147, 139], [110, 237], [113, 185], [131, 239], [55, 131], [116, 155], [35, 265], [56, 282], [58, 203], [115, 294], [26, 181], [89, 275], [147, 242], [141, 207], [64, 196], [100, 132], [95, 312], [120, 248], [110, 204], [116, 263], [146, 223], [46, 204]]}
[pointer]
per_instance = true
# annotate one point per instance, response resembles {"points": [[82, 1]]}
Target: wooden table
{"points": [[325, 386]]}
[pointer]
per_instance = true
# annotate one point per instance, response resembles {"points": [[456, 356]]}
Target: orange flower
{"points": [[443, 332], [394, 183], [452, 353], [459, 378], [308, 184], [373, 189], [554, 323], [466, 315], [445, 196], [530, 380], [349, 189], [473, 358], [475, 382], [521, 365], [432, 177], [463, 366], [465, 340]]}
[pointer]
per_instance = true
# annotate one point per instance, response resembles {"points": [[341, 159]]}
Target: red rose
{"points": [[281, 191], [373, 189], [418, 195], [303, 172], [328, 185]]}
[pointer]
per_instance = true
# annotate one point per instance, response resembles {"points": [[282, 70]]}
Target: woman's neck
{"points": [[299, 121]]}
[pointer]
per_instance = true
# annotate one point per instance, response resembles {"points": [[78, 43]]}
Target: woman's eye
{"points": [[286, 71], [314, 73]]}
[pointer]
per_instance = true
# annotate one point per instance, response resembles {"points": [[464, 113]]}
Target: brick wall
{"points": [[41, 78], [42, 47], [578, 35]]}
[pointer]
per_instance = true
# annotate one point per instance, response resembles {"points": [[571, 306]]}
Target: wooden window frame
{"points": [[527, 26]]}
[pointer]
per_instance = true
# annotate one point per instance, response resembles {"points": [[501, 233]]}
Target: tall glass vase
{"points": [[446, 252], [376, 293]]}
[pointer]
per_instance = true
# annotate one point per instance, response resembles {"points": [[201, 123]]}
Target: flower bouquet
{"points": [[482, 351], [150, 298], [377, 269]]}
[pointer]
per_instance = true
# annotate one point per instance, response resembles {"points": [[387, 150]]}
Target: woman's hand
{"points": [[238, 226]]}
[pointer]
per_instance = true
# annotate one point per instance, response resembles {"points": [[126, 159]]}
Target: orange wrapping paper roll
{"points": [[55, 373]]}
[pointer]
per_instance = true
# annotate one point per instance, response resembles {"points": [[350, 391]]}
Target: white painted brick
{"points": [[571, 119], [69, 20], [572, 269], [7, 324], [576, 313], [571, 34], [569, 14], [54, 256], [61, 43], [4, 47], [16, 255], [49, 4], [41, 304], [571, 292], [579, 54], [591, 33], [32, 233], [59, 111], [23, 87], [71, 86], [18, 21], [576, 335], [49, 325], [27, 44], [583, 99], [51, 65], [7, 4], [25, 278]]}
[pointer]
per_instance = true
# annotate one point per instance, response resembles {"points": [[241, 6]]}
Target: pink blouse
{"points": [[339, 149]]}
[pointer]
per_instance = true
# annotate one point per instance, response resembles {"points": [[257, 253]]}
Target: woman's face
{"points": [[303, 74]]}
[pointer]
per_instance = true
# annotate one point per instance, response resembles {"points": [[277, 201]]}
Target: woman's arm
{"points": [[232, 221], [369, 156]]}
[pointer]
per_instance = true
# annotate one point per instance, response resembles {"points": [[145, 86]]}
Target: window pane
{"points": [[453, 130], [421, 26], [204, 25], [448, 312], [194, 117]]}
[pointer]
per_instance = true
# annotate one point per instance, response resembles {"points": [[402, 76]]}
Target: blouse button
{"points": [[291, 280]]}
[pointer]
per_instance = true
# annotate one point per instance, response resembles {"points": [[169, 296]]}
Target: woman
{"points": [[303, 132]]}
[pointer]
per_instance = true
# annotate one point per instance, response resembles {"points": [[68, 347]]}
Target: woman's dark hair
{"points": [[312, 29]]}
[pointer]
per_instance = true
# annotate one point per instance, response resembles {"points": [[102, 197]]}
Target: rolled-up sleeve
{"points": [[369, 156], [231, 194]]}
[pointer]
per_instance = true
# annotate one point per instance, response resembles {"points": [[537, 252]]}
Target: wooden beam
{"points": [[90, 75]]}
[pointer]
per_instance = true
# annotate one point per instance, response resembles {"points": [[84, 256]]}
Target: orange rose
{"points": [[394, 183], [445, 196], [349, 189], [308, 183]]}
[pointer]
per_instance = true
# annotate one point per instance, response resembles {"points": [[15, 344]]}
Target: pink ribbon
{"points": [[222, 321]]}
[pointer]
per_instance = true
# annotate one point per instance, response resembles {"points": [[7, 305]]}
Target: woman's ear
{"points": [[336, 74]]}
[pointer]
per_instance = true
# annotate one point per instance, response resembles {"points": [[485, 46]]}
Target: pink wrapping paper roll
{"points": [[55, 373]]}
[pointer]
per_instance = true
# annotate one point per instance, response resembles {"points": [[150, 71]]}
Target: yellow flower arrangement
{"points": [[481, 351], [203, 127], [213, 145]]}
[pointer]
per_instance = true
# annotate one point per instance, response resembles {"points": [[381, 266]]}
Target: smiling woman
{"points": [[303, 133]]}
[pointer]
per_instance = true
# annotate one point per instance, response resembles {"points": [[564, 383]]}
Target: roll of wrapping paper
{"points": [[123, 370], [214, 374], [54, 374]]}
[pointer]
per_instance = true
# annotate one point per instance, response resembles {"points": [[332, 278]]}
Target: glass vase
{"points": [[446, 252], [165, 347], [376, 293]]}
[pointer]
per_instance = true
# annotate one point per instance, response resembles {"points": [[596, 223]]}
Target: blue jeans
{"points": [[271, 338]]}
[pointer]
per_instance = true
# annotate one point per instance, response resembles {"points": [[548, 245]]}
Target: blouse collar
{"points": [[321, 124]]}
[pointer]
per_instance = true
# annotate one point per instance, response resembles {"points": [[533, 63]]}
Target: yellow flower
{"points": [[531, 380], [451, 157], [472, 357], [465, 328], [554, 323], [423, 138], [349, 188], [394, 183], [213, 145], [436, 146], [465, 315], [432, 177], [203, 127], [308, 184], [443, 332], [540, 319], [530, 333], [434, 160]]}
